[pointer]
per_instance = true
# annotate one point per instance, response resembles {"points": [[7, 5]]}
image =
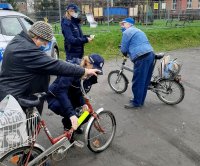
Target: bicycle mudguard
{"points": [[90, 122]]}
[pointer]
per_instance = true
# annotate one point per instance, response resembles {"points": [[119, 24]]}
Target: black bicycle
{"points": [[169, 90]]}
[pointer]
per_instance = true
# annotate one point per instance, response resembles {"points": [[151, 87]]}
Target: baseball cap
{"points": [[73, 7], [129, 20], [42, 30], [97, 61]]}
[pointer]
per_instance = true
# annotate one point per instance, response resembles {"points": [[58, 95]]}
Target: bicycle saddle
{"points": [[159, 55], [28, 103]]}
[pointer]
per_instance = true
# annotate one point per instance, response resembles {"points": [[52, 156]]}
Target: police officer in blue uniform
{"points": [[73, 35], [64, 94]]}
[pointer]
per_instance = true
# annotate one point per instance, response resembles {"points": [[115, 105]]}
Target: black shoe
{"points": [[130, 106], [80, 130]]}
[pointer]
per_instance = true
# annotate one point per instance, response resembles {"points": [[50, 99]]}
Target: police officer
{"points": [[64, 94], [73, 35]]}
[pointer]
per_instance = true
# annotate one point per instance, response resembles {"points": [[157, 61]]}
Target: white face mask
{"points": [[75, 15]]}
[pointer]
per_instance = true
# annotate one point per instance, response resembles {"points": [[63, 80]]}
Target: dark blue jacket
{"points": [[25, 68], [74, 38], [65, 94]]}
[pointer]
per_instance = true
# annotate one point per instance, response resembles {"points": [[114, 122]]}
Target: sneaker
{"points": [[131, 100], [130, 106]]}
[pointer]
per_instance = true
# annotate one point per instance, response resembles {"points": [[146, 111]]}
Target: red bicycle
{"points": [[99, 133]]}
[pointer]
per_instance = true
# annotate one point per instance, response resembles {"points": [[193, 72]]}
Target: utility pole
{"points": [[59, 6], [108, 15], [147, 7]]}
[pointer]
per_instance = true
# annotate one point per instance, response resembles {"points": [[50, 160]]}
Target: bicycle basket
{"points": [[17, 134], [169, 68]]}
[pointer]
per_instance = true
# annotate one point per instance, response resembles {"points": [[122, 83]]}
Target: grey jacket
{"points": [[25, 68]]}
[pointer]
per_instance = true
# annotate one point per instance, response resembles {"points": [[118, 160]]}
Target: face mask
{"points": [[42, 47], [75, 15], [123, 29]]}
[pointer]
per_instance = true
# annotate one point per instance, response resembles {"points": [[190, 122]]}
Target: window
{"points": [[199, 4], [10, 26], [174, 4], [189, 4], [27, 23]]}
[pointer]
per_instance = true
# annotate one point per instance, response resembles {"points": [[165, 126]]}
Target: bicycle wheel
{"points": [[18, 156], [118, 82], [170, 91], [100, 132]]}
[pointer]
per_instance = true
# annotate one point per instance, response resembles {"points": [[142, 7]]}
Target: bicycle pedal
{"points": [[79, 144]]}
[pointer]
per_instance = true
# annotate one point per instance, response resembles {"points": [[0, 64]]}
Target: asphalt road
{"points": [[156, 135]]}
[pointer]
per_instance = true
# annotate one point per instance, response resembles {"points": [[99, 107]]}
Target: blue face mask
{"points": [[123, 29], [42, 47]]}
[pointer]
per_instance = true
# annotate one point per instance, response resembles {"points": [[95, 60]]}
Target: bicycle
{"points": [[168, 90], [99, 133]]}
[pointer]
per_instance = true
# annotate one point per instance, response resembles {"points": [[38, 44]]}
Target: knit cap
{"points": [[42, 30]]}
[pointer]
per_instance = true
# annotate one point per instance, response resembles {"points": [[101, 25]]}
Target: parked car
{"points": [[12, 23]]}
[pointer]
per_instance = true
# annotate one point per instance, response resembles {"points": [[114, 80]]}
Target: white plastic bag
{"points": [[12, 124]]}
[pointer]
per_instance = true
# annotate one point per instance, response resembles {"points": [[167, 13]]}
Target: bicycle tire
{"points": [[98, 137], [119, 78], [169, 86], [13, 157]]}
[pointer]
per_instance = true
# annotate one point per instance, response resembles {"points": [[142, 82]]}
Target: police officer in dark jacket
{"points": [[26, 67], [73, 35], [64, 94]]}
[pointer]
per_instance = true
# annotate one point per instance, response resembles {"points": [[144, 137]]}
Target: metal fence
{"points": [[143, 12]]}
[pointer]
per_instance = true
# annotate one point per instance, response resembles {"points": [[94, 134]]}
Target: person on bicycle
{"points": [[26, 68], [64, 94], [73, 35], [135, 44]]}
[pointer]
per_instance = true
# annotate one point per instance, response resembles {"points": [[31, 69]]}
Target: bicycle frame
{"points": [[125, 67], [60, 139], [57, 140]]}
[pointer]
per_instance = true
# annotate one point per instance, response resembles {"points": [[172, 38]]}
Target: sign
{"points": [[164, 5], [156, 6]]}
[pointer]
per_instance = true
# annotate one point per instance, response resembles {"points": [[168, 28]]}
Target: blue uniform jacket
{"points": [[74, 38], [65, 94]]}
